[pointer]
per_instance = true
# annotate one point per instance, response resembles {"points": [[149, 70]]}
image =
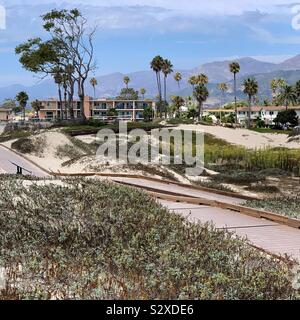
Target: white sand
{"points": [[244, 137]]}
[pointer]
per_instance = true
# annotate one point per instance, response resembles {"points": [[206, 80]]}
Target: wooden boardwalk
{"points": [[270, 236]]}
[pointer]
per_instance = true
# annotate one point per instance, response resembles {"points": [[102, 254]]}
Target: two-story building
{"points": [[126, 110], [266, 113], [5, 114]]}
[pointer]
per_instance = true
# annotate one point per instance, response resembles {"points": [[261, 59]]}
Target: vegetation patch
{"points": [[68, 151], [263, 188], [287, 206], [214, 185], [98, 240], [30, 145], [239, 177]]}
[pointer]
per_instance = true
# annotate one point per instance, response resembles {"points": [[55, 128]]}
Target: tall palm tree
{"points": [[235, 68], [288, 96], [167, 69], [22, 98], [250, 89], [223, 87], [94, 83], [201, 94], [178, 78], [126, 80], [193, 81], [143, 92], [157, 65], [202, 79]]}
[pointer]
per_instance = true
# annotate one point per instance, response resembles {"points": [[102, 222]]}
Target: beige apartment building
{"points": [[126, 110], [5, 114]]}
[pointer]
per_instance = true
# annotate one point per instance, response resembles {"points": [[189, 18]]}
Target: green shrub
{"points": [[97, 240]]}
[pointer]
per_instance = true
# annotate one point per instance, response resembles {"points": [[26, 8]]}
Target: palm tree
{"points": [[277, 85], [22, 98], [202, 79], [201, 94], [250, 89], [223, 87], [143, 92], [167, 69], [288, 96], [297, 90], [178, 78], [177, 103], [94, 83], [235, 69], [126, 81], [36, 106], [157, 65], [193, 81]]}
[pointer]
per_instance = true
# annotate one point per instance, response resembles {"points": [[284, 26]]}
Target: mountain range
{"points": [[111, 84]]}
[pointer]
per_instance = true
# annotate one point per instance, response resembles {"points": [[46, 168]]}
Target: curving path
{"points": [[7, 156]]}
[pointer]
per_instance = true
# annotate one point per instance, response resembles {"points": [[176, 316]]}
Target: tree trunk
{"points": [[235, 100], [60, 101], [24, 112], [81, 98], [249, 113], [65, 102], [200, 111]]}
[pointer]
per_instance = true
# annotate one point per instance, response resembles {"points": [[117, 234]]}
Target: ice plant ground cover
{"points": [[287, 206], [89, 239]]}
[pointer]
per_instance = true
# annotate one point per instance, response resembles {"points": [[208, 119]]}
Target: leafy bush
{"points": [[97, 240]]}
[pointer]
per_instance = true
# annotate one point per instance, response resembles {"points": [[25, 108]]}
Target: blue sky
{"points": [[131, 32]]}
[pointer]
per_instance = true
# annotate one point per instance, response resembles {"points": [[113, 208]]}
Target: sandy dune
{"points": [[244, 137]]}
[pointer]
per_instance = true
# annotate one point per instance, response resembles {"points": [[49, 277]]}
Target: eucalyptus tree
{"points": [[94, 83], [58, 79], [22, 98], [178, 78], [235, 68], [71, 29], [201, 94], [250, 89], [167, 69]]}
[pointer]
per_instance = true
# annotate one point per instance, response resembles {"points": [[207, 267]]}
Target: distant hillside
{"points": [[111, 84]]}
